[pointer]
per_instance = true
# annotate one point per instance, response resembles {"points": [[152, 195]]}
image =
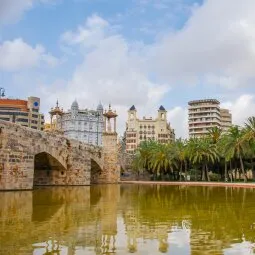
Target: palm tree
{"points": [[235, 146], [250, 129], [203, 152], [215, 134], [249, 137], [181, 155], [143, 154], [162, 159]]}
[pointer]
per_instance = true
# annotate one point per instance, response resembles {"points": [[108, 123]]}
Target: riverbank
{"points": [[207, 184]]}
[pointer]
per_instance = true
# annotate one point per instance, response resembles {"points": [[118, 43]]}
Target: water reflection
{"points": [[126, 219]]}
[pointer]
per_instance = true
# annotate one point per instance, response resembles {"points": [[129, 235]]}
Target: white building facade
{"points": [[82, 124]]}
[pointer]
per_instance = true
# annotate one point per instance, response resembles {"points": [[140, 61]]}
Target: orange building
{"points": [[23, 112]]}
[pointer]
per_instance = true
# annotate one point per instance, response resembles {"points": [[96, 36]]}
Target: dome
{"points": [[75, 105], [100, 107]]}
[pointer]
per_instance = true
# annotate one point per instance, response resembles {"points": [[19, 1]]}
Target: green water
{"points": [[124, 219]]}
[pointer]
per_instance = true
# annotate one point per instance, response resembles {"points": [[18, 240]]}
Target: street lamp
{"points": [[2, 92]]}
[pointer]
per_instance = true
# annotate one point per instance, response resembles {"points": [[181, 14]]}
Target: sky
{"points": [[145, 53]]}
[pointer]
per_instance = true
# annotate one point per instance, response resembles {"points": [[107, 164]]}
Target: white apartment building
{"points": [[205, 114], [226, 119], [138, 130]]}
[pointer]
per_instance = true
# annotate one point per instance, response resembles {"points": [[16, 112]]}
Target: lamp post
{"points": [[2, 92]]}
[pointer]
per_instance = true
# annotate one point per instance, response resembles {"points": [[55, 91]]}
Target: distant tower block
{"points": [[111, 171]]}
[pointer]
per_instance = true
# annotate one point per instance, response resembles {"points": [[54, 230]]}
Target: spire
{"points": [[132, 108], [162, 108]]}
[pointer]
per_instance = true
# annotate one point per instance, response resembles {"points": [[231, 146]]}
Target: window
{"points": [[7, 119], [22, 120]]}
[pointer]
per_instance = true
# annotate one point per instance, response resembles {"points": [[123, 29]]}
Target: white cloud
{"points": [[242, 108], [112, 70], [92, 33], [17, 55], [12, 10], [215, 47], [217, 41], [178, 118]]}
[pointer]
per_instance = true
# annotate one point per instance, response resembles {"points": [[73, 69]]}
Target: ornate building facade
{"points": [[138, 130], [81, 124]]}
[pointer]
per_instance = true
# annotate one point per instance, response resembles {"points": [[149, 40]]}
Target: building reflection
{"points": [[125, 219]]}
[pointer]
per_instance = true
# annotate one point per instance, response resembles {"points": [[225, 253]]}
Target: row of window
{"points": [[149, 132], [145, 138], [14, 113], [163, 135], [149, 126], [131, 146], [131, 141], [131, 135]]}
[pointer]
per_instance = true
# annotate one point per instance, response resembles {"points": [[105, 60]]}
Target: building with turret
{"points": [[138, 130], [81, 124]]}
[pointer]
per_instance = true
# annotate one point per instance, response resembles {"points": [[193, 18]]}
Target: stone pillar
{"points": [[111, 169], [51, 121], [115, 124], [109, 128], [104, 124]]}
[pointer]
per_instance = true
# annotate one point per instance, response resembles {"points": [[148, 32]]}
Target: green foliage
{"points": [[218, 151], [215, 177]]}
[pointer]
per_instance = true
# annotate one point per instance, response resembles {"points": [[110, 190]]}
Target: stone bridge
{"points": [[30, 157]]}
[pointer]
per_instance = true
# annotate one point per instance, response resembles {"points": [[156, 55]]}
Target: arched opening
{"points": [[48, 170], [96, 171]]}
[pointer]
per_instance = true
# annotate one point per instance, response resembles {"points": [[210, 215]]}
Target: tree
{"points": [[180, 147], [162, 159], [235, 146], [203, 152], [215, 134], [250, 129]]}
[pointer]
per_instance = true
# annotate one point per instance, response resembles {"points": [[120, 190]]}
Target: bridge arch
{"points": [[48, 170], [96, 171]]}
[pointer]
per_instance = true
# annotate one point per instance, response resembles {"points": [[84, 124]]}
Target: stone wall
{"points": [[20, 146], [111, 169]]}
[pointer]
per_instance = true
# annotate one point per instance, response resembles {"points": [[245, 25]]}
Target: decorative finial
{"points": [[57, 103], [110, 107]]}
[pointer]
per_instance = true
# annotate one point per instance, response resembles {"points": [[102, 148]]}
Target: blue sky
{"points": [[142, 52]]}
